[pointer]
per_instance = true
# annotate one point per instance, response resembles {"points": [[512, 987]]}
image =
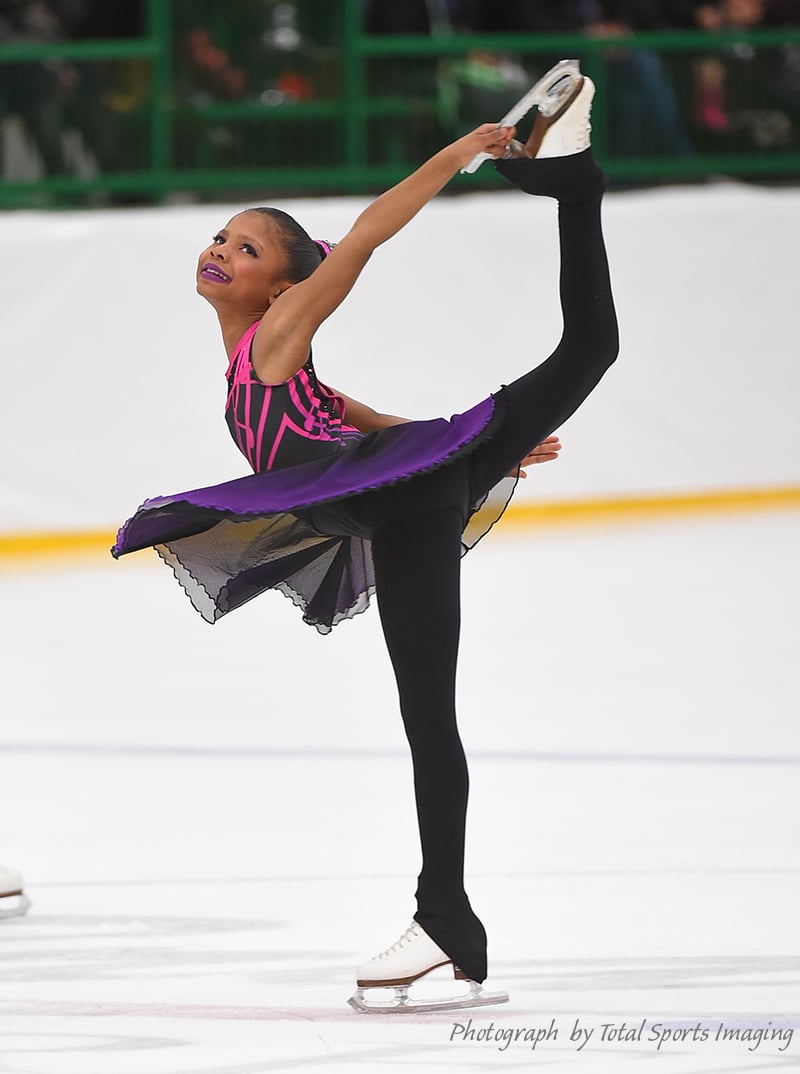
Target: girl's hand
{"points": [[488, 138], [547, 451]]}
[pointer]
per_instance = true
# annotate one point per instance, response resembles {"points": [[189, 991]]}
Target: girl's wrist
{"points": [[453, 156]]}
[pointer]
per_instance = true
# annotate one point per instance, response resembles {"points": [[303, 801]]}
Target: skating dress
{"points": [[230, 542]]}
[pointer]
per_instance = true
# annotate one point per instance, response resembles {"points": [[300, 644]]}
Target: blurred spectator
{"points": [[787, 13], [414, 83], [644, 117], [643, 109], [205, 72], [258, 52], [75, 115], [716, 16], [486, 83], [211, 68], [35, 94], [401, 75], [745, 97], [112, 103]]}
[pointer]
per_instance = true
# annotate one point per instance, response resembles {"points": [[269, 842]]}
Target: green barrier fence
{"points": [[328, 108]]}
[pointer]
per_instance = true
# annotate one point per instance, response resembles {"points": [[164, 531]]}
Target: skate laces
{"points": [[408, 937]]}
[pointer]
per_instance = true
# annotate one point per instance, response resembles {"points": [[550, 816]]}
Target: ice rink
{"points": [[208, 864], [216, 825]]}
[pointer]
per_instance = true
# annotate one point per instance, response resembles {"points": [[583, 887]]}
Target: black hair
{"points": [[303, 254]]}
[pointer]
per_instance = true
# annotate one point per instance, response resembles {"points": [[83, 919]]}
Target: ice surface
{"points": [[216, 824]]}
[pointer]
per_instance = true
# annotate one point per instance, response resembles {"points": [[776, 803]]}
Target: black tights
{"points": [[417, 572], [417, 553]]}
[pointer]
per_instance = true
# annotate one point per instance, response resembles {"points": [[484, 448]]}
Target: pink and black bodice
{"points": [[287, 424]]}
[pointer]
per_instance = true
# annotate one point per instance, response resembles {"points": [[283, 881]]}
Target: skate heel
{"points": [[403, 964]]}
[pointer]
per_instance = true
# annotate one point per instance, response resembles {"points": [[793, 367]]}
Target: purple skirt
{"points": [[228, 543]]}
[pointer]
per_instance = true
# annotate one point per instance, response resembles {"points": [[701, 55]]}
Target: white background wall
{"points": [[112, 368]]}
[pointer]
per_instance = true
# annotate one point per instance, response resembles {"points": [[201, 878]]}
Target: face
{"points": [[243, 266], [743, 12]]}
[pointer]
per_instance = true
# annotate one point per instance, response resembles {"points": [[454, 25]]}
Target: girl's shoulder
{"points": [[240, 368]]}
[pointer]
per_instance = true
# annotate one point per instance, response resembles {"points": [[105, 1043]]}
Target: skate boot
{"points": [[13, 901], [413, 956], [561, 134], [557, 160], [553, 94]]}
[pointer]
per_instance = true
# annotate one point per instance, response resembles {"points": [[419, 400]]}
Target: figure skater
{"points": [[345, 501]]}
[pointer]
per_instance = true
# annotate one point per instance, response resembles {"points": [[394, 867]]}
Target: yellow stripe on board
{"points": [[71, 544], [51, 544], [635, 508]]}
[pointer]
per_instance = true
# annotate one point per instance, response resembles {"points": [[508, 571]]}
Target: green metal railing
{"points": [[366, 132]]}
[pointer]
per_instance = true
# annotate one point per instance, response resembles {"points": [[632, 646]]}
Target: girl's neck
{"points": [[233, 327]]}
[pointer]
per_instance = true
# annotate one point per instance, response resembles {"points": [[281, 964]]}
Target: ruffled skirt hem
{"points": [[231, 542]]}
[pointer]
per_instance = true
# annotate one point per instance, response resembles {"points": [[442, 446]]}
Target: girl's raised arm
{"points": [[282, 341]]}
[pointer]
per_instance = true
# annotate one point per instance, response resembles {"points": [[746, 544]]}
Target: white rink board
{"points": [[112, 368]]}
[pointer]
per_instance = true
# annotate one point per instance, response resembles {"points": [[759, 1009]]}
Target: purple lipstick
{"points": [[210, 271]]}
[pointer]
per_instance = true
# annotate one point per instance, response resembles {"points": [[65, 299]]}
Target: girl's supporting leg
{"points": [[417, 571], [541, 400]]}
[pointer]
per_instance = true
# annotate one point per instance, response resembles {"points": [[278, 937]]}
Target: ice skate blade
{"points": [[405, 1004], [19, 909], [565, 71]]}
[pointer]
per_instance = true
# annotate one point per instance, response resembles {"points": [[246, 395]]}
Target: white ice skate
{"points": [[13, 900], [553, 94], [399, 966]]}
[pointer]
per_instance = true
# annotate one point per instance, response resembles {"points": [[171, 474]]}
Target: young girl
{"points": [[345, 501]]}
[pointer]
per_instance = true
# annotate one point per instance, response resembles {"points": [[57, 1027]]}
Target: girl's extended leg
{"points": [[541, 400], [417, 573]]}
